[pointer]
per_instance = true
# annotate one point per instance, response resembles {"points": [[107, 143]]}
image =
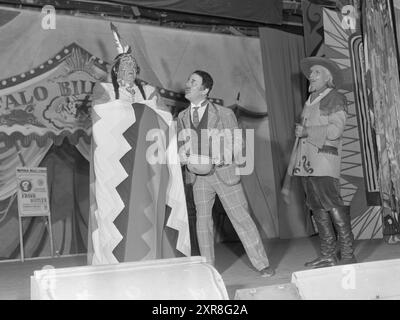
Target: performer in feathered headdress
{"points": [[129, 193], [124, 82], [125, 67]]}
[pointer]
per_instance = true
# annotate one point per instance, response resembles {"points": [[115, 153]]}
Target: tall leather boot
{"points": [[341, 220], [327, 240]]}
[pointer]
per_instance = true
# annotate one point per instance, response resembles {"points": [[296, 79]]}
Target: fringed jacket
{"points": [[319, 154]]}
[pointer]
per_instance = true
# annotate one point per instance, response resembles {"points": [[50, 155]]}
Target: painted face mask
{"points": [[125, 70]]}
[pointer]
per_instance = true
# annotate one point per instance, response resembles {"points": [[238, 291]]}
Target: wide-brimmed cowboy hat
{"points": [[337, 75]]}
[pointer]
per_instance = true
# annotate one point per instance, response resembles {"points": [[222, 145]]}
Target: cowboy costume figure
{"points": [[318, 160]]}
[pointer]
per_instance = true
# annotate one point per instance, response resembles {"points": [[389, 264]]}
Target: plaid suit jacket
{"points": [[220, 118]]}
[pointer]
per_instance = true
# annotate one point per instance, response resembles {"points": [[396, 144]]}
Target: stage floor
{"points": [[287, 256]]}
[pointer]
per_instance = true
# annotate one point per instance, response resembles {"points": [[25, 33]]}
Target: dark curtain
{"points": [[68, 180], [286, 90]]}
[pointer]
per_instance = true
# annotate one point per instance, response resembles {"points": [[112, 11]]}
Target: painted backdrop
{"points": [[358, 180], [166, 56]]}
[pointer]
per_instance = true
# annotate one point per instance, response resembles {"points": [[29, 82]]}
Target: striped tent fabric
{"points": [[137, 207]]}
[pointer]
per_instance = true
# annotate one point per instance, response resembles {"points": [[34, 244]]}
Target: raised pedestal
{"points": [[164, 279]]}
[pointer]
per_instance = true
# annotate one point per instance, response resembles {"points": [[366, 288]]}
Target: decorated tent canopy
{"points": [[52, 100]]}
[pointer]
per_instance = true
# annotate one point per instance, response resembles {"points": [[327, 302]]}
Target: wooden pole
{"points": [[287, 183]]}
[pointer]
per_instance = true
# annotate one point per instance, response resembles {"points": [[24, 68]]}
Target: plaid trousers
{"points": [[235, 204]]}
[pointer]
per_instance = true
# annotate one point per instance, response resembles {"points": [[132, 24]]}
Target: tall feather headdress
{"points": [[125, 67], [118, 40]]}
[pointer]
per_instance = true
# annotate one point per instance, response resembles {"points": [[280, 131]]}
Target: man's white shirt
{"points": [[200, 111]]}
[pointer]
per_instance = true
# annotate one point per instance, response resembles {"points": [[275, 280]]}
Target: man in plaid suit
{"points": [[222, 178]]}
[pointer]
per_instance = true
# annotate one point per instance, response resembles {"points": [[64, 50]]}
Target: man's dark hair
{"points": [[208, 81]]}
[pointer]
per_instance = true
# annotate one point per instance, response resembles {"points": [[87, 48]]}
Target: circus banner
{"points": [[52, 100]]}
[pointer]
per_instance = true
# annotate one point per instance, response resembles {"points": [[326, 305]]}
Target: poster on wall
{"points": [[33, 199]]}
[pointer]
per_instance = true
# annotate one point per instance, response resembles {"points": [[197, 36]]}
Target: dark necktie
{"points": [[196, 120]]}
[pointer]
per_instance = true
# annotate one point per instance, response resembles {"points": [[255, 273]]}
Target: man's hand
{"points": [[184, 157], [218, 161], [301, 131]]}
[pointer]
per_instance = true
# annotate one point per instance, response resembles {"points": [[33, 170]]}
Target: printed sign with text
{"points": [[33, 199]]}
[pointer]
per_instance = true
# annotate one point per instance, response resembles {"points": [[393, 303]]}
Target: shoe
{"points": [[321, 261], [267, 272], [349, 260], [327, 263]]}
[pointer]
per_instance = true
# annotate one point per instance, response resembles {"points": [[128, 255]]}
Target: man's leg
{"points": [[204, 197], [327, 240], [236, 207], [340, 216], [315, 189], [341, 220]]}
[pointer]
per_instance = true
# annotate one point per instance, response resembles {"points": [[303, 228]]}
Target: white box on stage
{"points": [[361, 281], [286, 291], [189, 278]]}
